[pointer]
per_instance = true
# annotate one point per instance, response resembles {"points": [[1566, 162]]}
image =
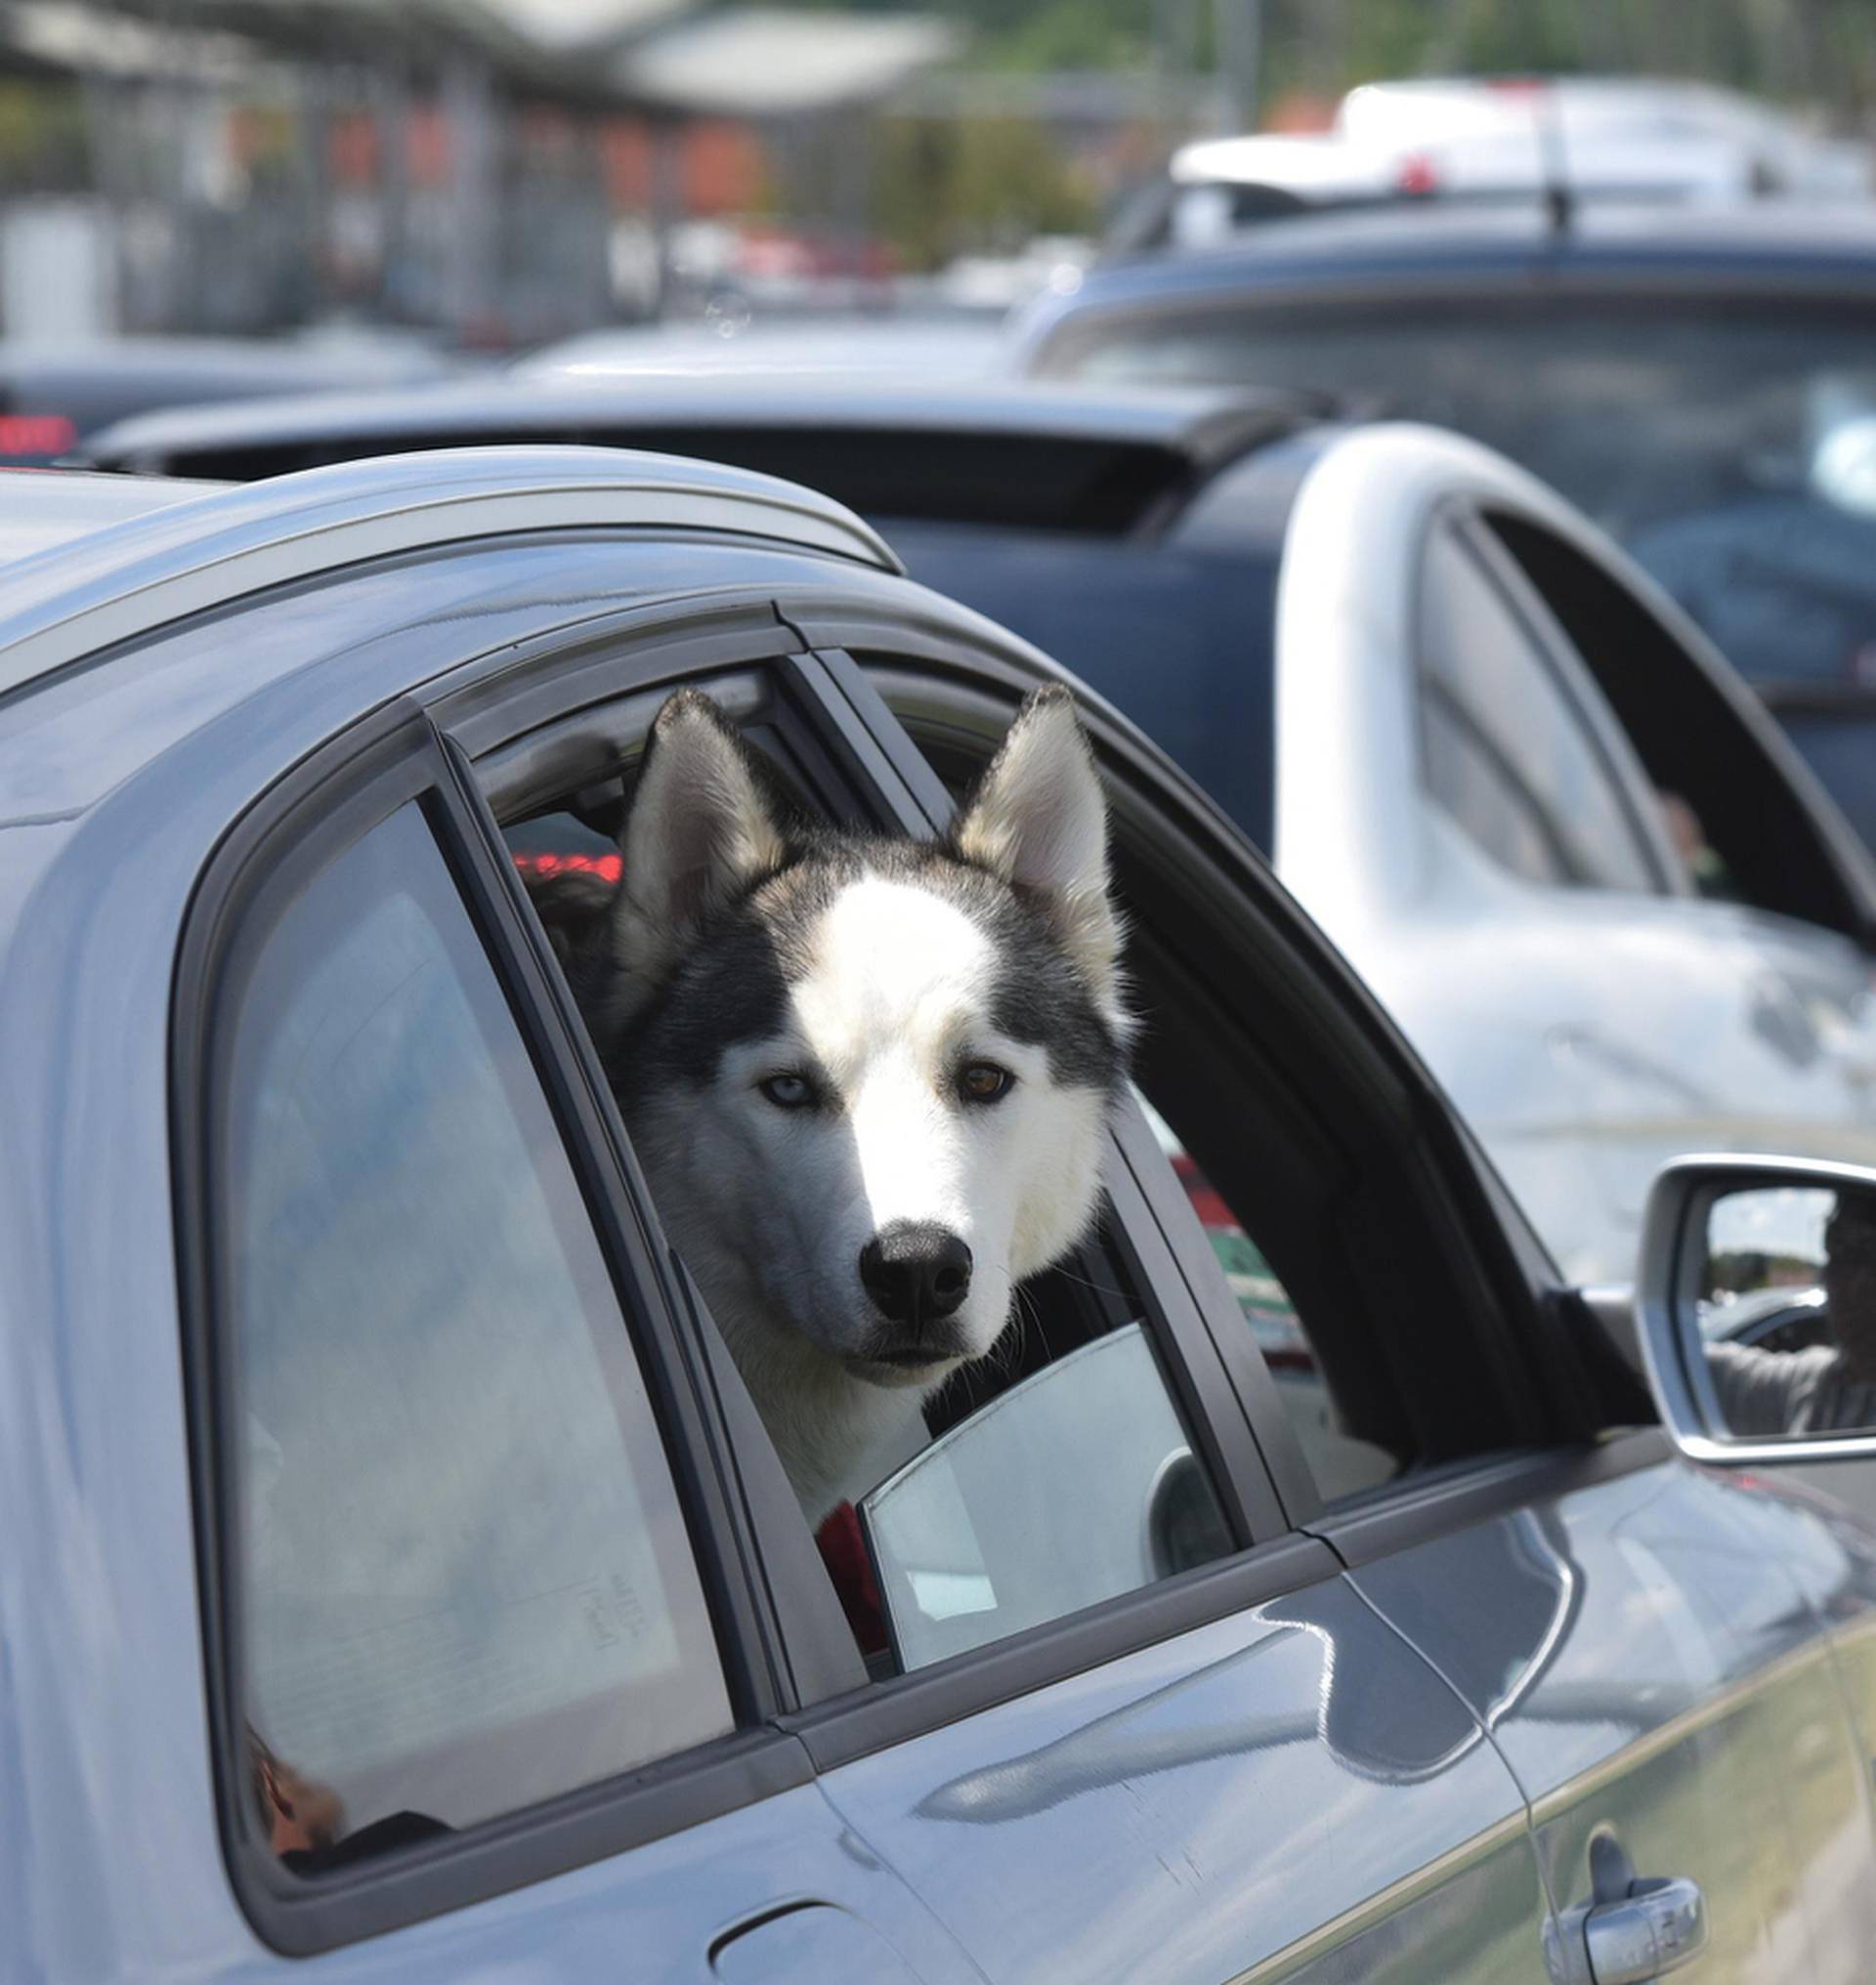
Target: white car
{"points": [[1604, 138], [1602, 894], [1462, 724]]}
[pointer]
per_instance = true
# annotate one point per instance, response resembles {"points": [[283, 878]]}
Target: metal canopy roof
{"points": [[766, 62], [657, 55], [67, 35], [121, 581], [574, 27]]}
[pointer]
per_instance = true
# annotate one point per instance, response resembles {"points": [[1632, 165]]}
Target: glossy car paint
{"points": [[1588, 1035], [1647, 1663], [1290, 1790], [1287, 1793]]}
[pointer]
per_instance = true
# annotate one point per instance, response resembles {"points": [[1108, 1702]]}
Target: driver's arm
{"points": [[1765, 1392]]}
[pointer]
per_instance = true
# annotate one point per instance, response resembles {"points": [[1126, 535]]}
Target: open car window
{"points": [[1339, 1267], [1506, 750], [1062, 1469], [1729, 782]]}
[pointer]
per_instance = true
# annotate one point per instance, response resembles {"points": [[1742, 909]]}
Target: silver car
{"points": [[397, 1583]]}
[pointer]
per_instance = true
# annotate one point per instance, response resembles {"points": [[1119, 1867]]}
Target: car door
{"points": [[1490, 741], [1631, 1637], [1166, 1663], [491, 1684]]}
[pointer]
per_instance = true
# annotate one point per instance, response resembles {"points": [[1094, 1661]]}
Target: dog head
{"points": [[868, 1077]]}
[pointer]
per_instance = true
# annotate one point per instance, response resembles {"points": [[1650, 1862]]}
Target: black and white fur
{"points": [[799, 1026]]}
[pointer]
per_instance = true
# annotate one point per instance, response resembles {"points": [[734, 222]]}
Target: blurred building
{"points": [[499, 171]]}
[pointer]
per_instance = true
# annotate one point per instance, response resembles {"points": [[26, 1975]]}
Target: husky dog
{"points": [[868, 1077]]}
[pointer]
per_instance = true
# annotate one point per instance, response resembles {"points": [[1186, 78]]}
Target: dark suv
{"points": [[1699, 381]]}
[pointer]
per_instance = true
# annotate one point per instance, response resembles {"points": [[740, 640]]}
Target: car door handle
{"points": [[1654, 1929]]}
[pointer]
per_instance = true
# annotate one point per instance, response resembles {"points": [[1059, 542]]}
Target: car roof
{"points": [[1751, 242], [176, 548], [1199, 423], [43, 509]]}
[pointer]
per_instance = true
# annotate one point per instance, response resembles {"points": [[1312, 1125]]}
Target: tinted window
{"points": [[1725, 443], [1180, 641], [1742, 826], [1343, 1462], [1505, 751], [466, 1580], [1025, 481]]}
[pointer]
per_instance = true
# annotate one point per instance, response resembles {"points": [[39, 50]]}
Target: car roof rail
{"points": [[205, 550]]}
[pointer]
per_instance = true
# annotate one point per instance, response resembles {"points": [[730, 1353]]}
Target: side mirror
{"points": [[1757, 1304]]}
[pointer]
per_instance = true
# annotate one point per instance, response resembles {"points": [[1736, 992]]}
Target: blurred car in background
{"points": [[927, 344], [1700, 382], [1490, 757], [1493, 138], [54, 396]]}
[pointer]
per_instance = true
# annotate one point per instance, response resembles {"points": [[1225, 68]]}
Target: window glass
{"points": [[1073, 1486], [1724, 440], [466, 1584], [1505, 752], [1341, 1460]]}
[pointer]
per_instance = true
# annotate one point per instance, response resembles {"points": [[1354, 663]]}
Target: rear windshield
{"points": [[1731, 443], [1180, 641]]}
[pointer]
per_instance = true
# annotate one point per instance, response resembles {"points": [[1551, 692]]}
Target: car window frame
{"points": [[1553, 653], [574, 681], [567, 680], [1384, 1520], [1607, 1426], [321, 808], [1844, 868]]}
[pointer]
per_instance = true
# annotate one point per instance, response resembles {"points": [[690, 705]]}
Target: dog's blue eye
{"points": [[788, 1093], [983, 1082]]}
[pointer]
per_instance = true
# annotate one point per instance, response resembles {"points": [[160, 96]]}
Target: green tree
{"points": [[945, 187]]}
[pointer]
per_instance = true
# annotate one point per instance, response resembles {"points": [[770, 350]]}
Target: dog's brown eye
{"points": [[788, 1091], [983, 1082]]}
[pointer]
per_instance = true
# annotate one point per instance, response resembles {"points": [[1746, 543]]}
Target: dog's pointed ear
{"points": [[1037, 820], [698, 831]]}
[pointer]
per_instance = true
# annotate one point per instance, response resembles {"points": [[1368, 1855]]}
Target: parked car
{"points": [[396, 1568], [1697, 380], [1592, 118], [1444, 704], [1494, 138], [54, 396], [910, 344]]}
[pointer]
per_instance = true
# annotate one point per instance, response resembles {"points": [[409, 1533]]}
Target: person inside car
{"points": [[1823, 1387]]}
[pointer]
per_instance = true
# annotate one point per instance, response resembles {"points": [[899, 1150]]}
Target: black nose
{"points": [[915, 1270]]}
